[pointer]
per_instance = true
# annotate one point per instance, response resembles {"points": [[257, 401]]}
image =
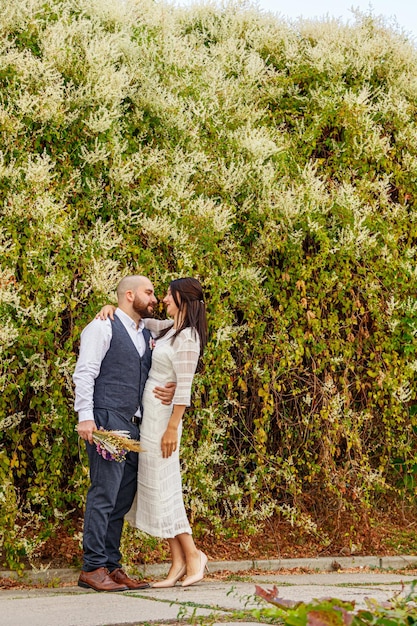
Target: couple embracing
{"points": [[135, 373]]}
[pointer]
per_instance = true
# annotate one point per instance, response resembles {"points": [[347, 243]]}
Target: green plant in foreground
{"points": [[399, 610]]}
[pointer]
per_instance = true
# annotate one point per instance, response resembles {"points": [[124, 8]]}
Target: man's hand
{"points": [[169, 441], [86, 429], [165, 394]]}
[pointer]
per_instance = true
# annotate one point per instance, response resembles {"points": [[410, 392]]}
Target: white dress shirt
{"points": [[95, 342]]}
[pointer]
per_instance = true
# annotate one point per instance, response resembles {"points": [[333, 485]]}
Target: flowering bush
{"points": [[277, 163]]}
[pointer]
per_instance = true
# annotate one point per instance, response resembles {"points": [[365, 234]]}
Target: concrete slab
{"points": [[86, 609], [213, 600]]}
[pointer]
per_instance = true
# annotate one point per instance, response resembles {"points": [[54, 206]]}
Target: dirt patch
{"points": [[387, 535]]}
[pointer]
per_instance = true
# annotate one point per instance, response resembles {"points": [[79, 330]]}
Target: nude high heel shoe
{"points": [[170, 582], [195, 578]]}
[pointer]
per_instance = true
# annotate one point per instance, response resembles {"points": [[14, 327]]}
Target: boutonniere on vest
{"points": [[151, 343]]}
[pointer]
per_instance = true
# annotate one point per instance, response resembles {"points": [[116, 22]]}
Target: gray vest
{"points": [[123, 373]]}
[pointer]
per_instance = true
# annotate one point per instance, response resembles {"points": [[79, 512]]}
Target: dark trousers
{"points": [[110, 496]]}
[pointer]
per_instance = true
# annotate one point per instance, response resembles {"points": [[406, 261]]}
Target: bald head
{"points": [[132, 283]]}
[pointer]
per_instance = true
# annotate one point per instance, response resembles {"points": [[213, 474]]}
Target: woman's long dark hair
{"points": [[189, 298]]}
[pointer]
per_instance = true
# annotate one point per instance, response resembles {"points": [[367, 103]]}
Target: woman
{"points": [[159, 507]]}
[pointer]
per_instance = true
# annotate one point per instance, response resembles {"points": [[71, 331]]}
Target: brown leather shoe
{"points": [[119, 576], [100, 580]]}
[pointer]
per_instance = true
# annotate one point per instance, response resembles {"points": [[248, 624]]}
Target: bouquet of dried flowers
{"points": [[113, 445]]}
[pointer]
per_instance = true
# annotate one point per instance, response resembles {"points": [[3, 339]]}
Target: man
{"points": [[110, 375]]}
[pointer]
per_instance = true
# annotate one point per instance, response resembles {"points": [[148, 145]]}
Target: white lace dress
{"points": [[158, 508]]}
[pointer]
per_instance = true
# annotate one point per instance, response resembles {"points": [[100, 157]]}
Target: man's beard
{"points": [[141, 309]]}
